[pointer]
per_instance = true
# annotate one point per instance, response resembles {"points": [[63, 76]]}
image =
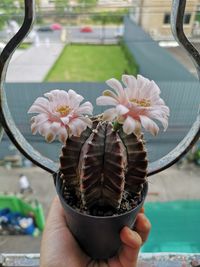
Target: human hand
{"points": [[60, 249]]}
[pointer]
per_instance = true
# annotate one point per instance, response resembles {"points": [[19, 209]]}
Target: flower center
{"points": [[63, 110], [141, 102]]}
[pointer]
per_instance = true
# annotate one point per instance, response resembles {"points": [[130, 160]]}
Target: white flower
{"points": [[136, 105], [60, 114]]}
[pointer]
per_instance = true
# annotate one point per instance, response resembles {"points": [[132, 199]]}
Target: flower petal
{"points": [[41, 118], [37, 121], [162, 119], [74, 99], [65, 120], [55, 127], [129, 125], [85, 108], [131, 85], [116, 85], [34, 128], [110, 93], [109, 114], [142, 83], [87, 121], [121, 119], [149, 125], [154, 88], [44, 127], [63, 135], [50, 136], [106, 100], [41, 105], [77, 126], [47, 132], [121, 109], [129, 81], [52, 95]]}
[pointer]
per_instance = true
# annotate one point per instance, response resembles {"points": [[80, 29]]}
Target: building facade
{"points": [[154, 17]]}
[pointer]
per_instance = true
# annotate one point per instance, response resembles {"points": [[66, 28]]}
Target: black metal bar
{"points": [[1, 132], [5, 116], [177, 17], [20, 142]]}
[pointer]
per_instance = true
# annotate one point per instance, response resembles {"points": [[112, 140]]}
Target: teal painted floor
{"points": [[175, 226]]}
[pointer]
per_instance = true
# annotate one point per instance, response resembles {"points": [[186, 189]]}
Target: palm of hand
{"points": [[60, 249]]}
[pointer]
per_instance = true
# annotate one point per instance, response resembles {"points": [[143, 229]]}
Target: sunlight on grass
{"points": [[97, 63]]}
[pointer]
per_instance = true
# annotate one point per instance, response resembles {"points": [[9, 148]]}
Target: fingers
{"points": [[142, 210], [56, 217], [142, 226], [128, 254], [131, 245], [58, 246], [132, 242]]}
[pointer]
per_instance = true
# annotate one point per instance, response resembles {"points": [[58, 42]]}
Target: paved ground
{"points": [[184, 58], [42, 184], [171, 184], [33, 64]]}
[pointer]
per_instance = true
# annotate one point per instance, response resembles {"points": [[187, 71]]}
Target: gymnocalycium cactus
{"points": [[103, 158]]}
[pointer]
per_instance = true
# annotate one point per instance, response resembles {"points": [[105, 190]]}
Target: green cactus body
{"points": [[103, 165]]}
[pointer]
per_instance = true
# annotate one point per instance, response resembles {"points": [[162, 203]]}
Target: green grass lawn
{"points": [[97, 63], [24, 46]]}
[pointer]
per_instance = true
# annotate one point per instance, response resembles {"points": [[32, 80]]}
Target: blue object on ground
{"points": [[4, 211], [15, 222]]}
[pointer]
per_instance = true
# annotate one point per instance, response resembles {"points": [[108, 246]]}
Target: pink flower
{"points": [[136, 105], [60, 114]]}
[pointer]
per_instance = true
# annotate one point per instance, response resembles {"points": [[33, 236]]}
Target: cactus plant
{"points": [[104, 166], [103, 163]]}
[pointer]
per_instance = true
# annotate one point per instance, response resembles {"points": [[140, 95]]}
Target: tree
{"points": [[37, 4], [61, 5], [87, 2], [7, 7]]}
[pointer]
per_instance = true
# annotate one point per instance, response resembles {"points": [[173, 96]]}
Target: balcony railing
{"points": [[145, 260]]}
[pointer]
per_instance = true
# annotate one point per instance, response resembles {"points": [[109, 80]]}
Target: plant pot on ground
{"points": [[103, 165]]}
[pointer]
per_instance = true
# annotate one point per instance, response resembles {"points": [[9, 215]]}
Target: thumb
{"points": [[132, 242]]}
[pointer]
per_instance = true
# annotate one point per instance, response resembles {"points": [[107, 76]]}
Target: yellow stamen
{"points": [[107, 93], [141, 102], [63, 110]]}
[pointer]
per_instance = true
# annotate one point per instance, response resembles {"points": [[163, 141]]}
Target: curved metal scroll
{"points": [[177, 16], [1, 132], [28, 151], [5, 117]]}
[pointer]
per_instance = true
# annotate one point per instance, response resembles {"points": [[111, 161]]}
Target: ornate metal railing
{"points": [[6, 120]]}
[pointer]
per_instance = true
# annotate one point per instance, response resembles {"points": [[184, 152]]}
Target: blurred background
{"points": [[78, 45]]}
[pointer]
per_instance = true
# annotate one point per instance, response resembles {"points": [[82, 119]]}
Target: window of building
{"points": [[187, 18], [167, 18]]}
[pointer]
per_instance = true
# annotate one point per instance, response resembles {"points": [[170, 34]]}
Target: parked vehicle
{"points": [[44, 29], [56, 27], [86, 29]]}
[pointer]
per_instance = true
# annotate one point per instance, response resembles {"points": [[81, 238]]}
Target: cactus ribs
{"points": [[103, 171]]}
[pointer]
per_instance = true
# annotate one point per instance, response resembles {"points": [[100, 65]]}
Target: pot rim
{"points": [[144, 193]]}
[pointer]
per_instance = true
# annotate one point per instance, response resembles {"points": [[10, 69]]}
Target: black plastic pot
{"points": [[98, 236]]}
